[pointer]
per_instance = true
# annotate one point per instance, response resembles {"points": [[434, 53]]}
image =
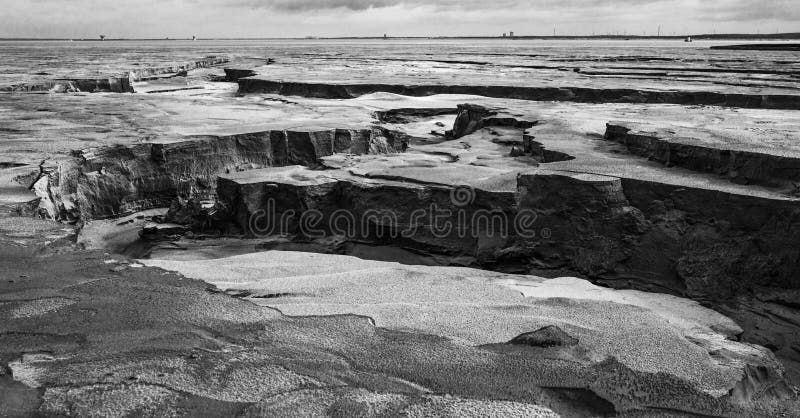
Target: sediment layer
{"points": [[113, 181], [572, 94], [115, 83], [711, 246], [744, 167]]}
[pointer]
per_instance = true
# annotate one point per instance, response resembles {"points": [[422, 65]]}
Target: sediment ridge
{"points": [[115, 83], [744, 167], [113, 181], [254, 85]]}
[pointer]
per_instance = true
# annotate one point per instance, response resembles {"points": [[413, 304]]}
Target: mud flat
{"points": [[222, 251]]}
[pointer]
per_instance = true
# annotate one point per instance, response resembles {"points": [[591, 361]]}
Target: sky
{"points": [[335, 18]]}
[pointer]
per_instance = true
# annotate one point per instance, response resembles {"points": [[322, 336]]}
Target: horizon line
{"points": [[782, 35]]}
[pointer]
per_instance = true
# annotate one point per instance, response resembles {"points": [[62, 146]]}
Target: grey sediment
{"points": [[116, 83], [255, 85], [740, 166]]}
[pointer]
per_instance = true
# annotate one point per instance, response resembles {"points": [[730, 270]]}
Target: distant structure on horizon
{"points": [[511, 34], [194, 37], [102, 37]]}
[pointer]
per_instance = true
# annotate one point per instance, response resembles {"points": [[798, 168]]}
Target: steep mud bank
{"points": [[114, 84], [122, 83], [718, 248], [570, 94], [624, 232], [744, 167], [114, 181]]}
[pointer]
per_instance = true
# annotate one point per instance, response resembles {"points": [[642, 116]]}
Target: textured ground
{"points": [[92, 333], [697, 201]]}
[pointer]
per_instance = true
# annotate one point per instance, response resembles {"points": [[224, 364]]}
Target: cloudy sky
{"points": [[299, 18]]}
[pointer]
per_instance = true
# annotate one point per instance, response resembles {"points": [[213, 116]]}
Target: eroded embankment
{"points": [[734, 252], [714, 247], [744, 167], [118, 83], [569, 94], [113, 181]]}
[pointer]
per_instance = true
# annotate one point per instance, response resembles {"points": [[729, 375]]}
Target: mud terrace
{"points": [[246, 236]]}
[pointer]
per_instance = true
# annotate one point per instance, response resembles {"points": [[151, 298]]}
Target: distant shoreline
{"points": [[701, 37]]}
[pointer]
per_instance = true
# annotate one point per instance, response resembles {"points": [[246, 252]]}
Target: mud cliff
{"points": [[113, 181]]}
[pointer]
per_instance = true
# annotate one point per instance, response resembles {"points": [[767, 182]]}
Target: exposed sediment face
{"points": [[114, 181], [740, 166], [255, 85], [114, 84]]}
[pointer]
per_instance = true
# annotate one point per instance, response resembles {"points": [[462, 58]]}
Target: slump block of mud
{"points": [[587, 215], [470, 119], [113, 181], [312, 204], [740, 166], [571, 94]]}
